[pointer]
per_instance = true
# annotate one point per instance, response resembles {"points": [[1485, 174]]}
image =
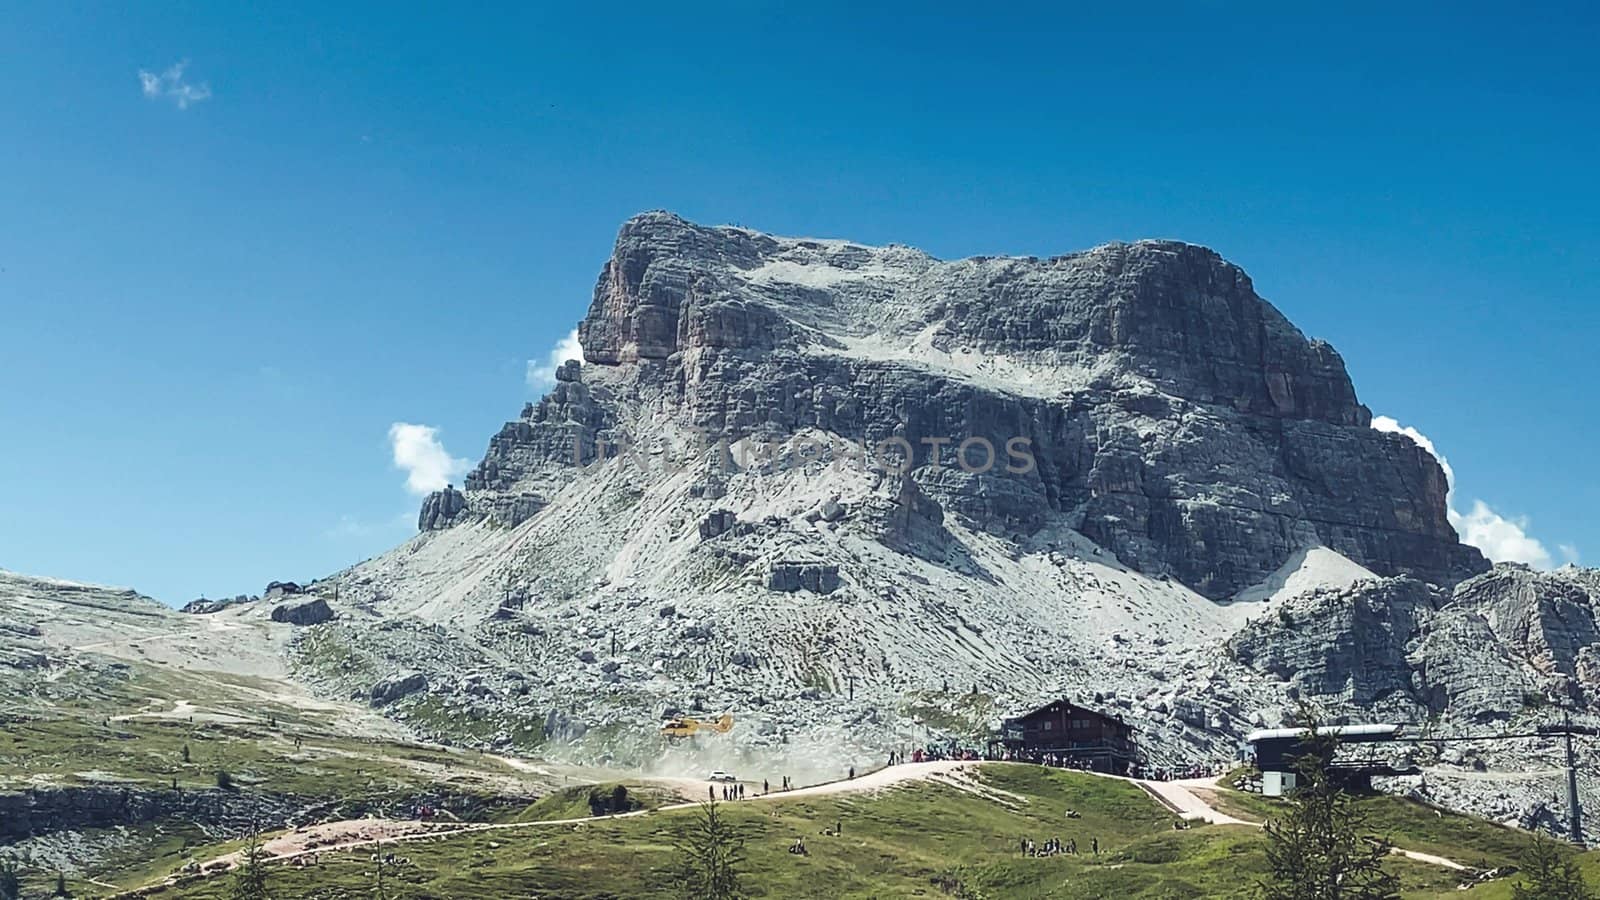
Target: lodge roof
{"points": [[1055, 704]]}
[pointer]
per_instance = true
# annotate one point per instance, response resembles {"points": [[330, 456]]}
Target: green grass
{"points": [[893, 844], [1501, 890], [150, 753], [928, 839], [1412, 825], [262, 744], [916, 840], [575, 802], [920, 840]]}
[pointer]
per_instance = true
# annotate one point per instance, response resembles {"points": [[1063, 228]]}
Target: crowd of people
{"points": [[938, 754], [736, 791], [1054, 847], [1177, 773], [1061, 761], [1083, 763]]}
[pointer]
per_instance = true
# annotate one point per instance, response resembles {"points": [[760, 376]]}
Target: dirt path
{"points": [[354, 834], [1178, 797], [1181, 797], [1430, 859]]}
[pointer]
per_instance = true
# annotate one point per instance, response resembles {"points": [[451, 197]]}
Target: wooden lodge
{"points": [[1064, 734]]}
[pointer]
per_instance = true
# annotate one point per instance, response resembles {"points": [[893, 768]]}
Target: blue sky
{"points": [[224, 284]]}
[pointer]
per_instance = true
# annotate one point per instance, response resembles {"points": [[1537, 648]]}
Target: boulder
{"points": [[392, 689], [717, 522], [311, 612]]}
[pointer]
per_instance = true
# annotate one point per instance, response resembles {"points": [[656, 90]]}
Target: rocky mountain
{"points": [[1172, 416], [863, 496], [860, 498]]}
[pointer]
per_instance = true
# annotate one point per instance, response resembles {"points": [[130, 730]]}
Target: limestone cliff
{"points": [[1172, 416]]}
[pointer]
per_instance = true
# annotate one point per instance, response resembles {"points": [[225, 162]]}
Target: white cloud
{"points": [[419, 454], [1569, 554], [171, 85], [1501, 539], [543, 374]]}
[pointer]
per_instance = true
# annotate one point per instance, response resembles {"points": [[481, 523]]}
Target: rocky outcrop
{"points": [[1547, 618], [717, 522], [19, 629], [1496, 646], [440, 509], [509, 511], [818, 578], [1353, 644], [48, 811], [311, 612], [392, 689], [203, 606], [45, 811]]}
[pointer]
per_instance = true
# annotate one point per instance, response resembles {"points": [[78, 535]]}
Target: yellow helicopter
{"points": [[682, 726]]}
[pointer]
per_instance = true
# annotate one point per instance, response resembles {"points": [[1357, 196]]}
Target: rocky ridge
{"points": [[1172, 416]]}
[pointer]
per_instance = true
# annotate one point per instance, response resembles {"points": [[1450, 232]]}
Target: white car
{"points": [[722, 776]]}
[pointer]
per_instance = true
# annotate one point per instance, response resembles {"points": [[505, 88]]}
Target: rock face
{"points": [[1351, 644], [50, 810], [440, 509], [311, 612], [1141, 392], [1548, 618], [818, 578], [1493, 647]]}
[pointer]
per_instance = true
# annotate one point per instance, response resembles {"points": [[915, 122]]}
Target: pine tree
{"points": [[250, 878], [378, 892], [709, 856], [10, 880], [1317, 849], [1549, 874], [61, 885]]}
